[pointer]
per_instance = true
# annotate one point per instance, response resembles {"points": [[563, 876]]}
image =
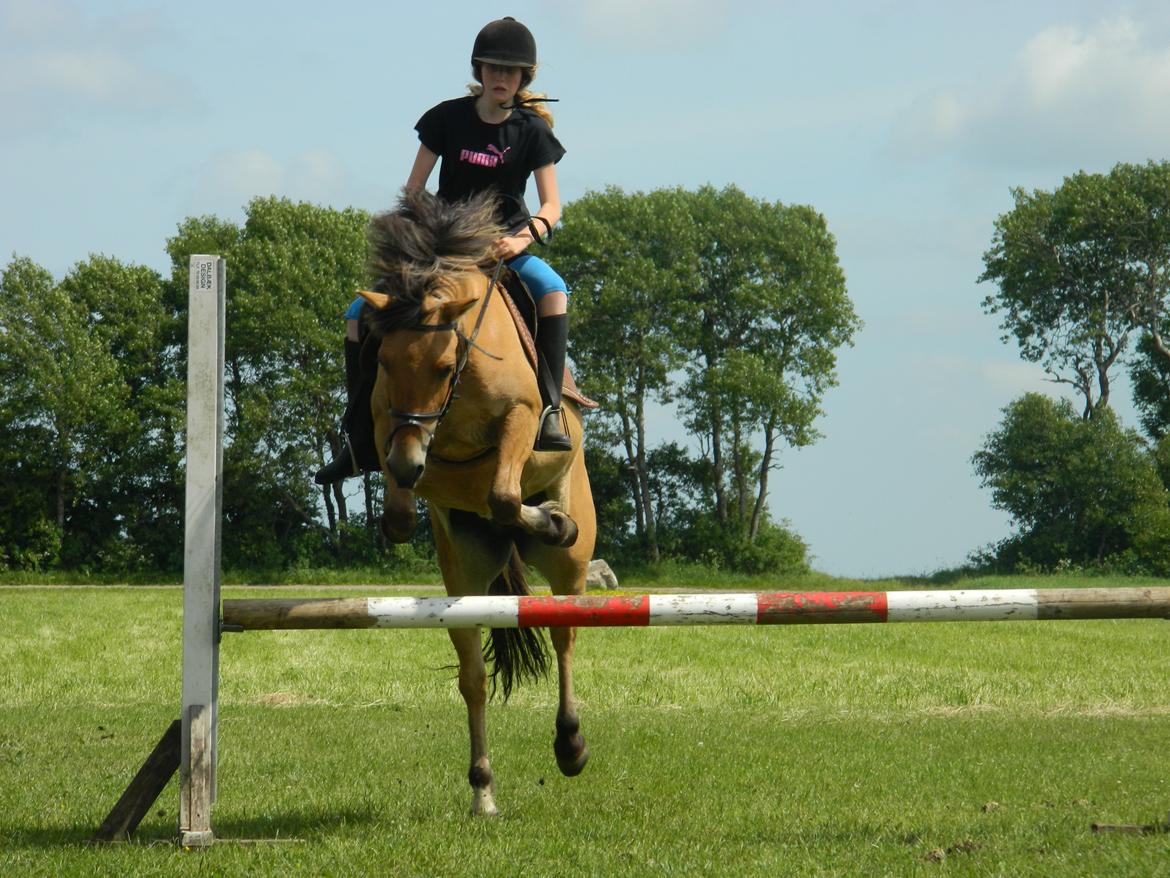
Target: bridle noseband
{"points": [[466, 343]]}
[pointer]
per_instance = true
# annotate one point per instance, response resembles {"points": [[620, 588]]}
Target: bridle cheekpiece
{"points": [[466, 343]]}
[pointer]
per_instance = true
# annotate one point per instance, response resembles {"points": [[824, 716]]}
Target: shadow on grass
{"points": [[291, 826]]}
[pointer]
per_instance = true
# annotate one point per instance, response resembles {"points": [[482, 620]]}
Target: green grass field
{"points": [[957, 749]]}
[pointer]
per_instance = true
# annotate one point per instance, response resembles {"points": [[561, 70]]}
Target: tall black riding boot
{"points": [[357, 452], [552, 333]]}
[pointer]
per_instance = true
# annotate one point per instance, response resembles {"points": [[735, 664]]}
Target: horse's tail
{"points": [[516, 654]]}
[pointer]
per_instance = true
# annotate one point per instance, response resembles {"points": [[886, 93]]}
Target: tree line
{"points": [[724, 309], [1082, 277]]}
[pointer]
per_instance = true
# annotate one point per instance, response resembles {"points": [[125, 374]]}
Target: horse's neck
{"points": [[498, 337]]}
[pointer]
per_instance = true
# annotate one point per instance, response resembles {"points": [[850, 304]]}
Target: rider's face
{"points": [[500, 83]]}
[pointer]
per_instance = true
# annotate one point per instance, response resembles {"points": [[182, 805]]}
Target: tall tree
{"points": [[629, 257], [293, 269], [746, 296], [769, 310], [67, 393], [1080, 270], [140, 484], [30, 529]]}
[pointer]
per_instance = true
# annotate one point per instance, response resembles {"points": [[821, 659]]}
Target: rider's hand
{"points": [[511, 246]]}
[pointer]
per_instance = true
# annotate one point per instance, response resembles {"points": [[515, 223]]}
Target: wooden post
{"points": [[201, 548], [144, 790]]}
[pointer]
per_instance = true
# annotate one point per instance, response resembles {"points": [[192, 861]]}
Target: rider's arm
{"points": [[549, 195], [424, 163], [550, 209]]}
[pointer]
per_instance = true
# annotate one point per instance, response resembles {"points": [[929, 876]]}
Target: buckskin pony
{"points": [[456, 408]]}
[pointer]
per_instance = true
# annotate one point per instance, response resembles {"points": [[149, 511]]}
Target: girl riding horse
{"points": [[491, 140], [455, 407]]}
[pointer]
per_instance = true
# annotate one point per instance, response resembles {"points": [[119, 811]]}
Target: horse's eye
{"points": [[446, 371]]}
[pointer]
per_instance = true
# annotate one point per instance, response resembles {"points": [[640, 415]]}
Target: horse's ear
{"points": [[378, 300], [449, 301], [457, 308]]}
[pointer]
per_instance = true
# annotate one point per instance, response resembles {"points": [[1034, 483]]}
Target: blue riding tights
{"points": [[537, 275]]}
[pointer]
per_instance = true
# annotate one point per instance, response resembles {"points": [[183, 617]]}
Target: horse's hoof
{"points": [[562, 530], [570, 535], [572, 764], [396, 531], [483, 805], [569, 747]]}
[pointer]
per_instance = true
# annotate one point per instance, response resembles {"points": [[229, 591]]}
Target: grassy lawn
{"points": [[957, 749]]}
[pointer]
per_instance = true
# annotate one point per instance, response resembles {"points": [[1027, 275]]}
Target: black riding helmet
{"points": [[504, 42]]}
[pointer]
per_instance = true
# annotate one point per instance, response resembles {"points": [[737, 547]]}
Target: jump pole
{"points": [[777, 608]]}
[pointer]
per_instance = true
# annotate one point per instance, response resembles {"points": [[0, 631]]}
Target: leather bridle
{"points": [[466, 343]]}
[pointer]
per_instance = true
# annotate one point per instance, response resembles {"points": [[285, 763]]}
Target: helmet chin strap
{"points": [[516, 105]]}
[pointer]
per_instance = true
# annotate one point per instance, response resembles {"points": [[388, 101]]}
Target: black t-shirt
{"points": [[477, 156]]}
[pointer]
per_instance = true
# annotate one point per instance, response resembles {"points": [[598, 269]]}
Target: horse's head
{"points": [[422, 352], [429, 257]]}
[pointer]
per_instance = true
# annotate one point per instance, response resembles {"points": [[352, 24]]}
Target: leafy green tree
{"points": [[139, 488], [769, 310], [1079, 491], [30, 533], [88, 401], [59, 379], [1149, 373], [626, 256], [293, 268], [1081, 269], [746, 297]]}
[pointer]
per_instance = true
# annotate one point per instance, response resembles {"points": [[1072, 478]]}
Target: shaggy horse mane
{"points": [[423, 239]]}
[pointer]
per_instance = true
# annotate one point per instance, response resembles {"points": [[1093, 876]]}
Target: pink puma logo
{"points": [[487, 160]]}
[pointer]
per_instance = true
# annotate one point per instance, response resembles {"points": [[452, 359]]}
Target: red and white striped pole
{"points": [[775, 608]]}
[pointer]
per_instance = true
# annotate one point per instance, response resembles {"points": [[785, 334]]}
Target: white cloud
{"points": [[1070, 96], [61, 69], [232, 179], [648, 24]]}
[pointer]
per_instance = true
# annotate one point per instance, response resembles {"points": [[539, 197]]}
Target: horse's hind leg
{"points": [[470, 557], [473, 688]]}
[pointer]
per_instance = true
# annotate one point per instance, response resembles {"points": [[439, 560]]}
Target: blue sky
{"points": [[905, 123]]}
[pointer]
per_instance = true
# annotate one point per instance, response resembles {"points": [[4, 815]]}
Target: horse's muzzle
{"points": [[406, 458], [407, 479]]}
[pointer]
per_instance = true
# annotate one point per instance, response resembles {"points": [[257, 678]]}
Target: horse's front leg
{"points": [[504, 499], [546, 522], [473, 688], [569, 744]]}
